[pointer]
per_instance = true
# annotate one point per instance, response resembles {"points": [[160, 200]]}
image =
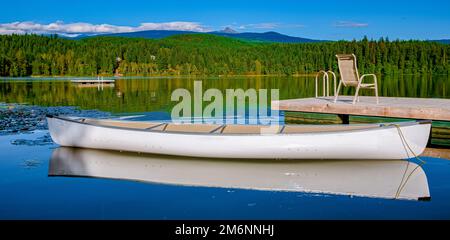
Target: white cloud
{"points": [[294, 26], [182, 26], [75, 29], [348, 24], [259, 26], [266, 25]]}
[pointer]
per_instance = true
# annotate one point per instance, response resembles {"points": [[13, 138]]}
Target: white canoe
{"points": [[373, 141], [393, 179]]}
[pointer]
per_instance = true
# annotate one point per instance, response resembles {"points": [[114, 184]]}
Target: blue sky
{"points": [[332, 20]]}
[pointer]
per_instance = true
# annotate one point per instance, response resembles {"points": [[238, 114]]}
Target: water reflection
{"points": [[390, 179], [153, 94]]}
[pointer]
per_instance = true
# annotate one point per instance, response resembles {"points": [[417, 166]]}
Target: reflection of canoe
{"points": [[372, 178], [373, 141]]}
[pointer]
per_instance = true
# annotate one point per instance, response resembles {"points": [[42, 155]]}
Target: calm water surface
{"points": [[39, 180], [149, 95]]}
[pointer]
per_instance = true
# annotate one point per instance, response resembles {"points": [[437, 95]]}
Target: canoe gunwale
{"points": [[370, 127]]}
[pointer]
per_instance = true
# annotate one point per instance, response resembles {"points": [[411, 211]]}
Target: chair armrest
{"points": [[367, 75]]}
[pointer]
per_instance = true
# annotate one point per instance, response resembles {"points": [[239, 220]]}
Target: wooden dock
{"points": [[92, 81], [411, 108]]}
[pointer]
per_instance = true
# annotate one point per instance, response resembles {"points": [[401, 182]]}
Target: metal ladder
{"points": [[325, 83]]}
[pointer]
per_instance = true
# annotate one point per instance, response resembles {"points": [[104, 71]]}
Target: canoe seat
{"points": [[242, 129], [135, 125], [191, 128], [251, 129]]}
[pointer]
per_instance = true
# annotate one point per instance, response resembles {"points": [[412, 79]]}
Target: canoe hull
{"points": [[377, 143]]}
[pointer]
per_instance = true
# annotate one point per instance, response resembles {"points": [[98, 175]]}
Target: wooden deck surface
{"points": [[414, 108]]}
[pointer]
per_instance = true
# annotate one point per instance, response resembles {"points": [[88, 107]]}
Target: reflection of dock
{"points": [[94, 85], [437, 153], [411, 108]]}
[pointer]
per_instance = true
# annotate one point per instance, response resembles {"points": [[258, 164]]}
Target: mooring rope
{"points": [[407, 147], [405, 143]]}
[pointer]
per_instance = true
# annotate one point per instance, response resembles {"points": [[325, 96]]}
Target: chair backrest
{"points": [[348, 69]]}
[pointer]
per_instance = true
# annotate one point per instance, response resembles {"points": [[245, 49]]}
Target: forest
{"points": [[201, 54]]}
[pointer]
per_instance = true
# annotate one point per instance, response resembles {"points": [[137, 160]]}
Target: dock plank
{"points": [[413, 108]]}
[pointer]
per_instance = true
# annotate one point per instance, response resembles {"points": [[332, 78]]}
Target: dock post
{"points": [[345, 118], [429, 143]]}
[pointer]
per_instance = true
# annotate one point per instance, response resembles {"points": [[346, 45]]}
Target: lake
{"points": [[153, 94], [40, 180]]}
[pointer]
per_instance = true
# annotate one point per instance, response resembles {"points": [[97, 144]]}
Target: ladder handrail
{"points": [[334, 80], [324, 80], [325, 83]]}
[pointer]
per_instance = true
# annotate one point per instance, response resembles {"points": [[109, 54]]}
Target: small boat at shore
{"points": [[391, 179], [368, 141]]}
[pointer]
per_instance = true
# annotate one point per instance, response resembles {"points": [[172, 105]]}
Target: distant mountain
{"points": [[265, 37], [227, 32], [444, 41]]}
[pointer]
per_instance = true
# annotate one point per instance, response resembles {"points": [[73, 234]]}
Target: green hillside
{"points": [[206, 54]]}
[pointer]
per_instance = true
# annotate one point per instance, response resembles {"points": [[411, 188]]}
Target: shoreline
{"points": [[161, 76], [192, 76]]}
